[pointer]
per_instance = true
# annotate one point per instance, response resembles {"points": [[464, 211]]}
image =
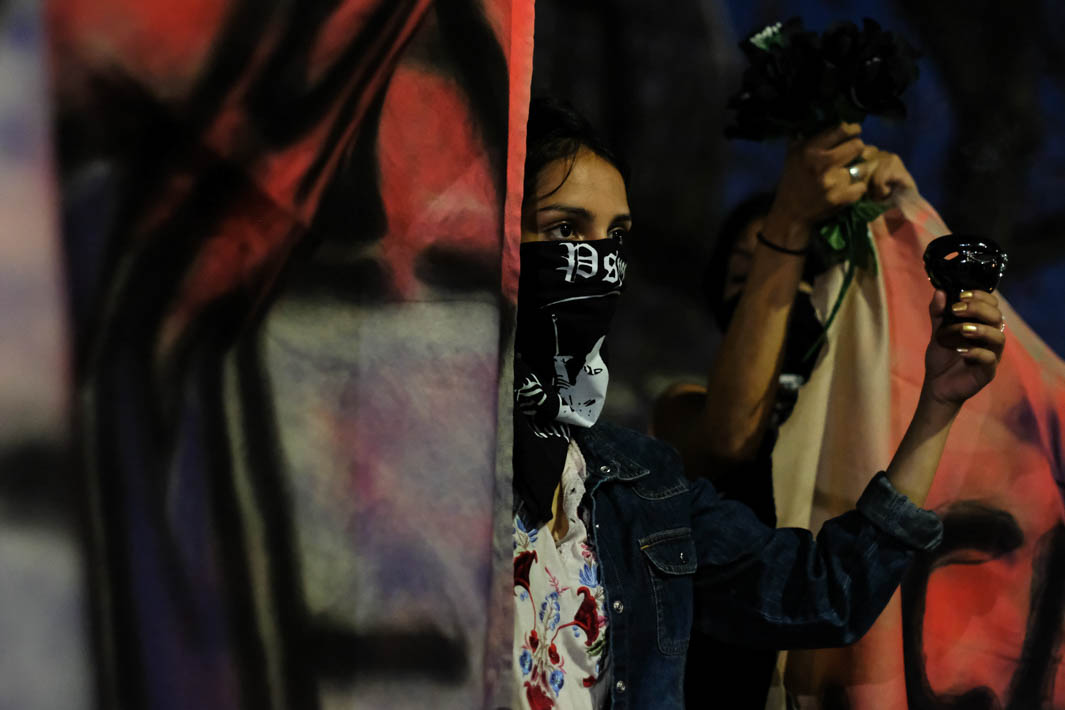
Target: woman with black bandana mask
{"points": [[612, 543]]}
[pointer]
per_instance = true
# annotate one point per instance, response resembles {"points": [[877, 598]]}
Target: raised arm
{"points": [[743, 376], [959, 361], [781, 588], [729, 426]]}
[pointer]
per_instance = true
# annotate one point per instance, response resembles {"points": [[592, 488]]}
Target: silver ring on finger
{"points": [[855, 171]]}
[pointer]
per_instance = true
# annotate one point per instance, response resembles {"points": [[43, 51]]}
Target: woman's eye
{"points": [[561, 231], [619, 234]]}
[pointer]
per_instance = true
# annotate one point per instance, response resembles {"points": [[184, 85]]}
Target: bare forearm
{"points": [[960, 360], [915, 462], [743, 377]]}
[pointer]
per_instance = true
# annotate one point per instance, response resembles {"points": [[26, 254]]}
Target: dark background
{"points": [[985, 140]]}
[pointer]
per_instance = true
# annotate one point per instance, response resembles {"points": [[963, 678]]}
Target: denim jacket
{"points": [[662, 540]]}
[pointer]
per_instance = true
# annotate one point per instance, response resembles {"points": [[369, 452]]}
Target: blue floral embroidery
{"points": [[553, 613], [589, 575], [522, 595], [531, 532], [525, 661], [576, 631], [556, 680]]}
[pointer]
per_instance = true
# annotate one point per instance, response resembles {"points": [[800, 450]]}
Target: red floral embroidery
{"points": [[587, 616], [545, 650], [538, 698], [522, 564]]}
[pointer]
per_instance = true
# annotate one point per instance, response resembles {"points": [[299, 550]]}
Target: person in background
{"points": [[769, 348], [730, 438], [612, 542]]}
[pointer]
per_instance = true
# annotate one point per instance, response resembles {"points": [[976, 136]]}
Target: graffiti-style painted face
{"points": [[579, 200]]}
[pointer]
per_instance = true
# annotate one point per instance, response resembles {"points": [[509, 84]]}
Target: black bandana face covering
{"points": [[567, 295]]}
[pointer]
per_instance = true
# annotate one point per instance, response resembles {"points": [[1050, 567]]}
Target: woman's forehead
{"points": [[587, 181]]}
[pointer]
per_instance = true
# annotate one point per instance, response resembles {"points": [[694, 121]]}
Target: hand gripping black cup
{"points": [[964, 262]]}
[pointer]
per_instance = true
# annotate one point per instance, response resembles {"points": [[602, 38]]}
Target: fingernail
{"points": [[962, 350], [959, 307], [966, 295], [969, 328]]}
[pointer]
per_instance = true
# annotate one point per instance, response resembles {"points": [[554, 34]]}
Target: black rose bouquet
{"points": [[799, 83]]}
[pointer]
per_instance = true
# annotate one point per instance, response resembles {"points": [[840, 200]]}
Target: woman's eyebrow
{"points": [[581, 213], [566, 209]]}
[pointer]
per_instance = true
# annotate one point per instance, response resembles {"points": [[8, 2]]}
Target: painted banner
{"points": [[291, 232], [44, 653], [977, 623]]}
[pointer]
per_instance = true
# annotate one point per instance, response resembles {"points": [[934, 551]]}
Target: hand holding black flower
{"points": [[816, 182], [888, 173]]}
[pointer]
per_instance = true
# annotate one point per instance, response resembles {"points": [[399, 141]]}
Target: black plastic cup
{"points": [[964, 262]]}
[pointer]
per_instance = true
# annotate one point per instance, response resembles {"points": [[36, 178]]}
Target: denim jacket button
{"points": [[682, 557], [618, 607], [620, 686], [604, 469]]}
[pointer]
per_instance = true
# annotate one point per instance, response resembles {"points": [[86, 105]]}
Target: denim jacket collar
{"points": [[605, 460]]}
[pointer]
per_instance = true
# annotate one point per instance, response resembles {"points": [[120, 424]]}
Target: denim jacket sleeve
{"points": [[781, 588]]}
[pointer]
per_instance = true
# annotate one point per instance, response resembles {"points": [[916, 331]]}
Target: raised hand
{"points": [[964, 350], [816, 180], [888, 174]]}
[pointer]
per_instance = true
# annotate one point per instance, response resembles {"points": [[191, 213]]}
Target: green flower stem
{"points": [[845, 239]]}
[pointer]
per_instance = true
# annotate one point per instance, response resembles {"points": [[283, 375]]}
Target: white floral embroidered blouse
{"points": [[560, 615]]}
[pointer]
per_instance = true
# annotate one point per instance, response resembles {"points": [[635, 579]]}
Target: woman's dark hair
{"points": [[556, 131], [716, 271]]}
